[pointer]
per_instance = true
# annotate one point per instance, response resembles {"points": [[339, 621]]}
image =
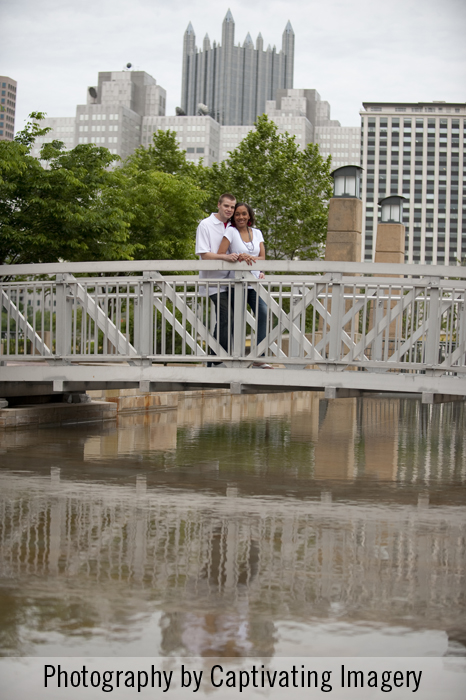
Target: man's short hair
{"points": [[226, 195]]}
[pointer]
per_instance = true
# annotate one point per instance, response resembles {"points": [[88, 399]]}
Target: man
{"points": [[209, 235]]}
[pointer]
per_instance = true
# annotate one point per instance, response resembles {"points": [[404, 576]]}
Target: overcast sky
{"points": [[350, 51]]}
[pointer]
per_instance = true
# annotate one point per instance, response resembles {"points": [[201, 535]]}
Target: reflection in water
{"points": [[238, 526]]}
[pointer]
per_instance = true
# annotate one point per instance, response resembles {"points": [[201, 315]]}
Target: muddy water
{"points": [[238, 526]]}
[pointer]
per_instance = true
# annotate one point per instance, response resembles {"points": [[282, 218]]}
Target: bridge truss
{"points": [[341, 327]]}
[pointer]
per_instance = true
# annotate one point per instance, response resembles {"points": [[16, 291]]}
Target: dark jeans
{"points": [[260, 313], [224, 305]]}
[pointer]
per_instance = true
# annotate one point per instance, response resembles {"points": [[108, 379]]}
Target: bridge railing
{"points": [[351, 316]]}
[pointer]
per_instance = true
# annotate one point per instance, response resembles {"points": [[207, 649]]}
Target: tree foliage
{"points": [[163, 154], [85, 205], [288, 189], [165, 198], [165, 212], [71, 208]]}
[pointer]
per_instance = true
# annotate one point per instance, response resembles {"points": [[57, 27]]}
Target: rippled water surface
{"points": [[238, 526]]}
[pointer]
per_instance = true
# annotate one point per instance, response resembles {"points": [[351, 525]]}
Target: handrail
{"points": [[290, 266]]}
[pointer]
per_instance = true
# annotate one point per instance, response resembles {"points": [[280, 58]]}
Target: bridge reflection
{"points": [[224, 549]]}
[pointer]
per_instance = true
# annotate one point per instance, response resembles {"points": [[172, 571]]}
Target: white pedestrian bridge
{"points": [[343, 328]]}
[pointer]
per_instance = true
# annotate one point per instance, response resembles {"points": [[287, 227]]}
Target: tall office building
{"points": [[417, 150], [115, 109], [7, 108], [234, 82]]}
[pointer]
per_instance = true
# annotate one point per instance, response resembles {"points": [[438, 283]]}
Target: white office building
{"points": [[343, 143], [301, 113], [115, 109], [417, 150], [61, 129], [198, 136], [113, 115], [126, 108]]}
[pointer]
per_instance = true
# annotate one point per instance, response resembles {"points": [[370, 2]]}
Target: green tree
{"points": [[289, 189], [165, 211], [162, 190], [165, 155], [71, 207]]}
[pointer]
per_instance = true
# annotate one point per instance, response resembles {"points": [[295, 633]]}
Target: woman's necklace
{"points": [[249, 244]]}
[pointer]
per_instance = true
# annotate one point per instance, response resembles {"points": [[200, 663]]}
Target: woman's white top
{"points": [[237, 245]]}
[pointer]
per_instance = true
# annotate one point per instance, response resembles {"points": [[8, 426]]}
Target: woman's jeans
{"points": [[260, 312]]}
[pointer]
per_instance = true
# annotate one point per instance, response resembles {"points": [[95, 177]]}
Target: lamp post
{"points": [[345, 215], [392, 209], [347, 181]]}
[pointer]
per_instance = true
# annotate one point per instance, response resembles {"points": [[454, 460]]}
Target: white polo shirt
{"points": [[209, 235]]}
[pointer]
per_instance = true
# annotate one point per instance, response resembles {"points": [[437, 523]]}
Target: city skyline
{"points": [[343, 50]]}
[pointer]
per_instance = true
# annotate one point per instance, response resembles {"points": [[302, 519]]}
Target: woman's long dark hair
{"points": [[251, 220]]}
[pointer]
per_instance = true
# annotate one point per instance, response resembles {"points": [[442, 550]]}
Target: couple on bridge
{"points": [[229, 235]]}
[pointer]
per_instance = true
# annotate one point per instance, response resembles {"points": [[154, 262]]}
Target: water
{"points": [[279, 525]]}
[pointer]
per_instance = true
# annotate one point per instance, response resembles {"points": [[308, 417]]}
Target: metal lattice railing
{"points": [[379, 317]]}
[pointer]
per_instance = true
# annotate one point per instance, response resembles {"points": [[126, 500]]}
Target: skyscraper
{"points": [[234, 82], [417, 150], [7, 108]]}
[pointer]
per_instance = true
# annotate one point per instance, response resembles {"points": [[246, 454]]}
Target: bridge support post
{"points": [[239, 325], [236, 388], [146, 314], [433, 331], [377, 344], [63, 318], [338, 290]]}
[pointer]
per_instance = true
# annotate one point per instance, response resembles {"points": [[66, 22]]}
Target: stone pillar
{"points": [[389, 248], [390, 243], [344, 229], [344, 233]]}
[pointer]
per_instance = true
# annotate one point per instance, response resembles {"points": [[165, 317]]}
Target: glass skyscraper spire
{"points": [[234, 82]]}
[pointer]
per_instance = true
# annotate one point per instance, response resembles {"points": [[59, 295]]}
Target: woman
{"points": [[248, 243]]}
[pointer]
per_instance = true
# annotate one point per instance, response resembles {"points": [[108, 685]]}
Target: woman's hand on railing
{"points": [[249, 259]]}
